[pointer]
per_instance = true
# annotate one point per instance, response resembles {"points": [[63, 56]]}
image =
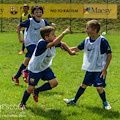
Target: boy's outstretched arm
{"points": [[76, 49], [66, 48], [59, 38]]}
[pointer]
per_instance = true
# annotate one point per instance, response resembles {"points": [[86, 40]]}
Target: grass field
{"points": [[69, 74]]}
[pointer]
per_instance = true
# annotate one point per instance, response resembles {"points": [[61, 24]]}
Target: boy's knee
{"points": [[83, 85], [53, 83], [100, 89], [30, 88]]}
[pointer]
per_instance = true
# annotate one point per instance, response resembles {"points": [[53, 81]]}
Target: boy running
{"points": [[39, 65], [31, 37]]}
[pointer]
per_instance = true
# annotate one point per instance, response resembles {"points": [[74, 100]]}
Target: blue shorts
{"points": [[44, 75], [30, 50], [94, 78]]}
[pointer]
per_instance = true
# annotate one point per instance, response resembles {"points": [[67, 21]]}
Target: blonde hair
{"points": [[94, 24]]}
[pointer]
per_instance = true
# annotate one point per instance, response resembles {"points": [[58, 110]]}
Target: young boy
{"points": [[97, 57], [39, 65], [31, 37], [23, 18]]}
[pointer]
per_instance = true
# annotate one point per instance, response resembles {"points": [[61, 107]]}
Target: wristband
{"points": [[64, 33]]}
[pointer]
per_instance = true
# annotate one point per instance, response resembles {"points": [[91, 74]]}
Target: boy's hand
{"points": [[73, 53], [21, 40], [54, 25], [103, 74], [67, 31]]}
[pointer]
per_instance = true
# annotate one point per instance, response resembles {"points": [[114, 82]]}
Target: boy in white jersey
{"points": [[97, 57], [39, 65], [31, 37]]}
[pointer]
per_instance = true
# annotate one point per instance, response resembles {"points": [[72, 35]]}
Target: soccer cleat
{"points": [[107, 105], [69, 101], [25, 76], [35, 96], [22, 106], [16, 81], [21, 52]]}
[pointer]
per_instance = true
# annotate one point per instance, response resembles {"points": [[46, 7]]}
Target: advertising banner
{"points": [[100, 11], [64, 10]]}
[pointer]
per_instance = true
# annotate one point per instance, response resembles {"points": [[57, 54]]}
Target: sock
{"points": [[25, 97], [23, 46], [79, 93], [43, 87], [22, 67], [26, 70], [103, 96]]}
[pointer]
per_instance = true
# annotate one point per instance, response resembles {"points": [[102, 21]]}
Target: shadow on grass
{"points": [[52, 114], [110, 114], [51, 93]]}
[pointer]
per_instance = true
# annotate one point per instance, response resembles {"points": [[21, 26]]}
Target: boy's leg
{"points": [[26, 95], [102, 94], [16, 77], [47, 86], [23, 47], [78, 94], [22, 67], [52, 82]]}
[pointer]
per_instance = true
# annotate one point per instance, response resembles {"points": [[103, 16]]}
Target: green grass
{"points": [[69, 74]]}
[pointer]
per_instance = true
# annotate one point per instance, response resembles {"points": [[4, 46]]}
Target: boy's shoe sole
{"points": [[16, 81], [69, 101], [25, 76], [22, 106], [35, 96], [106, 105], [21, 52]]}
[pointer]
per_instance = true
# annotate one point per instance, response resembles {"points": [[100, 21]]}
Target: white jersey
{"points": [[39, 63], [32, 34], [93, 60]]}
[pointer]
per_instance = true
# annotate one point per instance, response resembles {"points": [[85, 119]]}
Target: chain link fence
{"points": [[77, 24]]}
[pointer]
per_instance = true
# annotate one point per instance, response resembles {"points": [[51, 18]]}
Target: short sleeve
{"points": [[59, 45], [81, 46], [42, 44], [105, 47], [41, 47], [25, 23], [46, 23], [29, 16]]}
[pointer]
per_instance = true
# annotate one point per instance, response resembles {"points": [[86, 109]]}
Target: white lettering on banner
{"points": [[102, 11]]}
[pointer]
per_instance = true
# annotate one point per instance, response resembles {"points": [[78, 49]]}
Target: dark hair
{"points": [[36, 8], [45, 31], [94, 24]]}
